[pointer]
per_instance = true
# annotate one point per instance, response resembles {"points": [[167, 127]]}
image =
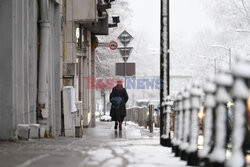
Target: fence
{"points": [[143, 116], [208, 137]]}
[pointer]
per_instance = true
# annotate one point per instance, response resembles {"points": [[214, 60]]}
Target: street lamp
{"points": [[243, 30], [215, 62], [229, 53]]}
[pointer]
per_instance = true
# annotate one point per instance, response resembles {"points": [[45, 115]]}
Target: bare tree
{"points": [[106, 58]]}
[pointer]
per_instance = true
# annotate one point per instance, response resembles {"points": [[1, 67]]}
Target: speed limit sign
{"points": [[113, 45]]}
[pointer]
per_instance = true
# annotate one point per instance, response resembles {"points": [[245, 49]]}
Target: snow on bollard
{"points": [[186, 124], [240, 93], [192, 158], [218, 155], [176, 128], [167, 121], [210, 102], [180, 124]]}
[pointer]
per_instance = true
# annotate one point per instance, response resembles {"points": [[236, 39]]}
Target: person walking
{"points": [[118, 98]]}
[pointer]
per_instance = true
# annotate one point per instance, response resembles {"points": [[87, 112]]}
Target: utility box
{"points": [[69, 111], [84, 11]]}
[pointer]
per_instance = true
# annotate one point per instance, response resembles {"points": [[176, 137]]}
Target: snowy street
{"points": [[100, 147], [173, 76]]}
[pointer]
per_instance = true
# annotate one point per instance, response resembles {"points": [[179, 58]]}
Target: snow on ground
{"points": [[131, 147], [101, 146]]}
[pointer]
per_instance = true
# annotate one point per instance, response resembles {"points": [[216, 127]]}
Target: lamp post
{"points": [[214, 60], [243, 31], [229, 53]]}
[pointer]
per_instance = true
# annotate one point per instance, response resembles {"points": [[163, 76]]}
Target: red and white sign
{"points": [[113, 45]]}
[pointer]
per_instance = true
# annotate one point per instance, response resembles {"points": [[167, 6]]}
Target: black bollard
{"points": [[218, 155], [192, 157], [210, 102], [240, 94], [186, 124], [176, 126], [180, 124]]}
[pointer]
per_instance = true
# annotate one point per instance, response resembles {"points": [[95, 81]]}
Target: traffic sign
{"points": [[125, 58], [113, 45], [125, 38], [125, 51]]}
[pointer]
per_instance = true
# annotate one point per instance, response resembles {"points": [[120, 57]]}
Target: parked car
{"points": [[156, 103], [106, 118], [142, 102]]}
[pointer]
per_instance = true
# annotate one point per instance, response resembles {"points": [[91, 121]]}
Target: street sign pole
{"points": [[125, 84], [125, 74]]}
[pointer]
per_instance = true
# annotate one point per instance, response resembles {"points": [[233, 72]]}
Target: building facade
{"points": [[46, 45]]}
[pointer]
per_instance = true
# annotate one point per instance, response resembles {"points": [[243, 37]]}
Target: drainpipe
{"points": [[43, 58]]}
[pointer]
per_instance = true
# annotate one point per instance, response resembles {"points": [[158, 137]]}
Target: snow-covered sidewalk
{"points": [[101, 146], [134, 146]]}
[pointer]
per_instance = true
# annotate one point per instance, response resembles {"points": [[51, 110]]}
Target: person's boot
{"points": [[116, 124], [120, 126]]}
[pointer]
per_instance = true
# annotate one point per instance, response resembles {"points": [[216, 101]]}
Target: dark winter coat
{"points": [[120, 113]]}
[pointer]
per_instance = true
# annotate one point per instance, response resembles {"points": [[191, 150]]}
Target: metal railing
{"points": [[143, 116], [203, 137]]}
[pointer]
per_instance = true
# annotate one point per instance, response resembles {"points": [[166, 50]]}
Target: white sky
{"points": [[146, 19], [186, 17]]}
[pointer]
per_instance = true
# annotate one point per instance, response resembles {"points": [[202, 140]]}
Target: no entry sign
{"points": [[113, 45]]}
